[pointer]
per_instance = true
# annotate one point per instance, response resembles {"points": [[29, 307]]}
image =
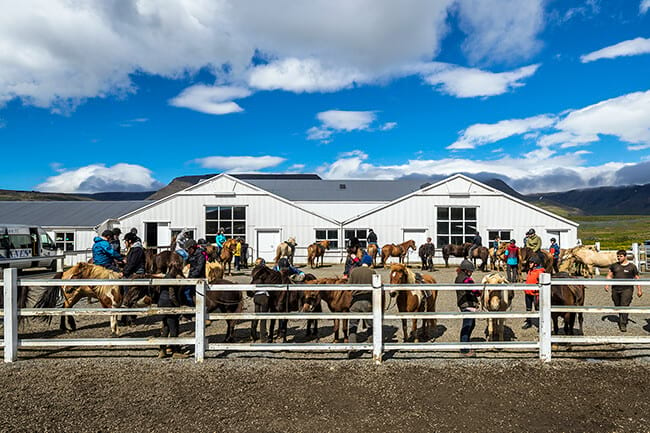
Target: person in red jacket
{"points": [[532, 296]]}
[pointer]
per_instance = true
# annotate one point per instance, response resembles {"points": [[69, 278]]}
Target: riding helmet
{"points": [[284, 263], [552, 239], [117, 231], [530, 232], [190, 243], [535, 259], [107, 233], [201, 242], [466, 265], [130, 237]]}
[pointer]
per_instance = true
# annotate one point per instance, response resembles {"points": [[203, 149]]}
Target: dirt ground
{"points": [[585, 388]]}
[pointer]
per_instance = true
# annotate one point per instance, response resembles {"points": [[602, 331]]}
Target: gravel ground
{"points": [[585, 388]]}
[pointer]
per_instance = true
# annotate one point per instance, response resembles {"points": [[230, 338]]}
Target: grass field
{"points": [[613, 231]]}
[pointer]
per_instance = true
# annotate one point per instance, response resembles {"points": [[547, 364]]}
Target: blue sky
{"points": [[115, 96]]}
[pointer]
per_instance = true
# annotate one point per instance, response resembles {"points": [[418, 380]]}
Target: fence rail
{"points": [[543, 344]]}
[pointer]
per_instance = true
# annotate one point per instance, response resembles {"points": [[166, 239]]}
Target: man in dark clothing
{"points": [[476, 242], [169, 297], [115, 241], [468, 302], [361, 298], [372, 237], [196, 260], [135, 258], [622, 295]]}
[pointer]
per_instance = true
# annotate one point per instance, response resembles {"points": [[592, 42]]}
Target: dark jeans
{"points": [[513, 273], [622, 298], [237, 262], [170, 329], [188, 295], [555, 264], [531, 301], [466, 330], [261, 306]]}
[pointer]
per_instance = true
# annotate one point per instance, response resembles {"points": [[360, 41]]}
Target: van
{"points": [[20, 243]]}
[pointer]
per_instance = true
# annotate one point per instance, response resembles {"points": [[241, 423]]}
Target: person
{"points": [[220, 240], [181, 240], [496, 243], [512, 261], [201, 245], [115, 241], [353, 242], [295, 274], [372, 237], [103, 254], [135, 258], [169, 297], [244, 254], [476, 243], [352, 261], [467, 301], [361, 297], [196, 260], [555, 253], [135, 232], [238, 254], [532, 296], [534, 242], [622, 295]]}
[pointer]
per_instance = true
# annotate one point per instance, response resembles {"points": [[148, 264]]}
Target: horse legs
{"points": [[230, 331], [282, 329], [555, 326], [271, 330], [404, 330]]}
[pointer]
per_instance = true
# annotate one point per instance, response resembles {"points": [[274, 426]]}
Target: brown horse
{"points": [[481, 253], [286, 249], [426, 253], [165, 260], [372, 252], [392, 250], [455, 250], [223, 302], [227, 253], [316, 251], [498, 257], [526, 253], [337, 300], [496, 300], [413, 300], [108, 296], [567, 295]]}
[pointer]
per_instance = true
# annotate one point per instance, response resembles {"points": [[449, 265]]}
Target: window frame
{"points": [[64, 244], [457, 230], [228, 224], [334, 241]]}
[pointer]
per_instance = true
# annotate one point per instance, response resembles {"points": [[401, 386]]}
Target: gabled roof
{"points": [[65, 213]]}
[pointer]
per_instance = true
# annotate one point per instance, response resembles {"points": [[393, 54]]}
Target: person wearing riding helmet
{"points": [[181, 240], [351, 262], [468, 302], [555, 252], [372, 237], [295, 274], [220, 240], [103, 254], [477, 242], [361, 297], [201, 245], [534, 242], [115, 241], [196, 260], [512, 261], [532, 296], [135, 258]]}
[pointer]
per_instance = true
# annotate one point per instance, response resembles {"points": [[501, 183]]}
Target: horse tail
{"points": [[50, 298]]}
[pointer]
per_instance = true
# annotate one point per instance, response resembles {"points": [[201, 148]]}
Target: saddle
{"points": [[422, 295]]}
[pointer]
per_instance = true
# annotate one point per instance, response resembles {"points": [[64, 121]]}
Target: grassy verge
{"points": [[613, 231]]}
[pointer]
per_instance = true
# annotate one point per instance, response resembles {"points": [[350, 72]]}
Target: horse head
{"points": [[213, 272], [400, 274], [310, 300], [411, 245], [292, 241]]}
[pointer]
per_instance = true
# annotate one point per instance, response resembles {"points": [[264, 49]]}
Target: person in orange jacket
{"points": [[532, 296]]}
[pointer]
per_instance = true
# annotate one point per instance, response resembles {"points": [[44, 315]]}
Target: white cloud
{"points": [[211, 99], [133, 122], [99, 178], [239, 163], [631, 47], [644, 6], [333, 121], [501, 30], [469, 83], [481, 133]]}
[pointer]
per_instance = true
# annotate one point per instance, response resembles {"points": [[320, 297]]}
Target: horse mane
{"points": [[213, 271], [399, 267], [489, 278]]}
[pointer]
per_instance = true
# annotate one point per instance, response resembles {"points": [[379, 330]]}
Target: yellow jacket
{"points": [[238, 249]]}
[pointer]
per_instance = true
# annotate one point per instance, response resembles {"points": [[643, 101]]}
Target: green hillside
{"points": [[613, 231]]}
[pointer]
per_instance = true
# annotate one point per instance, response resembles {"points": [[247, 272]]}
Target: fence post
{"points": [[59, 263], [11, 314], [199, 322], [545, 317], [377, 319], [637, 256]]}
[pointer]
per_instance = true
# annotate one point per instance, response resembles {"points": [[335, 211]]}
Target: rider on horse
{"points": [[476, 243]]}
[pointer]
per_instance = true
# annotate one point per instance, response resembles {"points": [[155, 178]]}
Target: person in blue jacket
{"points": [[103, 254]]}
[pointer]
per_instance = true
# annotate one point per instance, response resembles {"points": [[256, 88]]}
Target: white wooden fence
{"points": [[543, 344]]}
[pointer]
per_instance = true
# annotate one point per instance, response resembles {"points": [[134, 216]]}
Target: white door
{"points": [[164, 234], [420, 237], [267, 241]]}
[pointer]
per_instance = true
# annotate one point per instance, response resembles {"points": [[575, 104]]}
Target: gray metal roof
{"points": [[331, 190], [65, 213]]}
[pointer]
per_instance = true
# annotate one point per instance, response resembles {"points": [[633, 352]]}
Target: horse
{"points": [[230, 301], [455, 250], [567, 294], [483, 254], [426, 253], [496, 300], [413, 300], [337, 301], [108, 296], [316, 250], [227, 253], [372, 252], [165, 260], [498, 258], [590, 258], [392, 250], [526, 253], [286, 249], [150, 260]]}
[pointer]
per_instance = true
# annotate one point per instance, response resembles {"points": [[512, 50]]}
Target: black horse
{"points": [[455, 250], [224, 302]]}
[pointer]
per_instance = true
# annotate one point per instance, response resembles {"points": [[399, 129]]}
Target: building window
{"points": [[232, 219], [504, 235], [361, 234], [455, 225], [331, 235], [64, 241]]}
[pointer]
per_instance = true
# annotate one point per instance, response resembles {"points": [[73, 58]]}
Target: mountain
{"points": [[11, 195]]}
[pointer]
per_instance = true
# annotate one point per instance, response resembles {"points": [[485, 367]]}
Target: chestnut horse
{"points": [[223, 302], [481, 253], [413, 300], [227, 253], [455, 250], [372, 252], [496, 300], [316, 250], [337, 300], [392, 250]]}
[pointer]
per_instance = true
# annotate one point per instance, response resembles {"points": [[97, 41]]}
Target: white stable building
{"points": [[265, 210]]}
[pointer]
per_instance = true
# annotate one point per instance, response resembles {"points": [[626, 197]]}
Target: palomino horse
{"points": [[337, 300], [286, 249], [372, 252], [413, 300], [455, 250], [223, 302], [589, 257], [392, 250], [496, 300], [315, 251], [426, 253], [567, 295], [227, 253], [483, 254], [108, 296]]}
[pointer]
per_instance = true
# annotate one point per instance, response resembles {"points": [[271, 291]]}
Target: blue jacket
{"points": [[221, 239], [103, 253]]}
